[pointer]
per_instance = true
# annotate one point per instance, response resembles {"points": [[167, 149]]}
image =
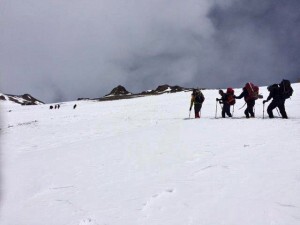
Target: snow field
{"points": [[142, 161]]}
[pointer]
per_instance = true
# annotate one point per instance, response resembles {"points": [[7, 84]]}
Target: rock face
{"points": [[25, 99], [118, 91]]}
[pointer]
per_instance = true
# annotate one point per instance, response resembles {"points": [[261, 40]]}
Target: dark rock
{"points": [[162, 88], [119, 90]]}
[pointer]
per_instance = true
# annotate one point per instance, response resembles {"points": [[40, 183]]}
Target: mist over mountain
{"points": [[66, 50]]}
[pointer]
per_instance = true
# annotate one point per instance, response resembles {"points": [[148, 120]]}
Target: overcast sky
{"points": [[59, 50]]}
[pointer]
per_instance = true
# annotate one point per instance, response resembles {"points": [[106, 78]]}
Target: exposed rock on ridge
{"points": [[120, 92]]}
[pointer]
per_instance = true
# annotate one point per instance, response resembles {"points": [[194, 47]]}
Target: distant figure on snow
{"points": [[227, 100], [74, 106], [51, 107], [197, 100], [279, 93]]}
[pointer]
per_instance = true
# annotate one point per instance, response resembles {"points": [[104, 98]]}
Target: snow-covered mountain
{"points": [[142, 161], [25, 99]]}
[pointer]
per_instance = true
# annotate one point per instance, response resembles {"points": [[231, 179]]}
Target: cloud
{"points": [[62, 50]]}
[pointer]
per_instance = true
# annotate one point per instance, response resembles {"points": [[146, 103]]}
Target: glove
{"points": [[217, 99], [190, 108], [264, 101]]}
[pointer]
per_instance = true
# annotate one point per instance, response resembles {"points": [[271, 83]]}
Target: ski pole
{"points": [[263, 110], [233, 110], [190, 114]]}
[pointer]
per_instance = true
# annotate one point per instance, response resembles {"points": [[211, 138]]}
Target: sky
{"points": [[61, 50]]}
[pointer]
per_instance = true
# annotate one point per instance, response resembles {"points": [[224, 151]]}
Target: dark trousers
{"points": [[226, 110], [249, 110], [197, 108], [281, 107]]}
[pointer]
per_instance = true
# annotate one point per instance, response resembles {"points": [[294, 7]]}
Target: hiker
{"points": [[250, 94], [197, 100], [74, 106], [227, 99], [279, 93]]}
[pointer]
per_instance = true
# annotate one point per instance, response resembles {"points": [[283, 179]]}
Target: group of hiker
{"points": [[277, 92]]}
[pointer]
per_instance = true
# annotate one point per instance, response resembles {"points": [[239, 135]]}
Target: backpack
{"points": [[286, 90], [252, 91], [199, 98], [230, 96], [272, 87]]}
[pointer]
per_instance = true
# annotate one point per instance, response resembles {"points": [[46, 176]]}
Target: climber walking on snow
{"points": [[250, 94], [227, 99], [279, 93], [197, 99]]}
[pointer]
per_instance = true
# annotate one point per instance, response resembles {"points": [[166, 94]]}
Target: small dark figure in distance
{"points": [[250, 94], [51, 107], [279, 93], [227, 99], [74, 106], [58, 106], [197, 100]]}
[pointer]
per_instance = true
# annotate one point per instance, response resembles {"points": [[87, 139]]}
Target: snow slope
{"points": [[142, 162]]}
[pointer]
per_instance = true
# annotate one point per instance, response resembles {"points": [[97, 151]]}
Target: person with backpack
{"points": [[279, 93], [197, 100], [250, 94], [227, 99]]}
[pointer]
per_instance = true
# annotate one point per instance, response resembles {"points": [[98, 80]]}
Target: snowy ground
{"points": [[142, 162]]}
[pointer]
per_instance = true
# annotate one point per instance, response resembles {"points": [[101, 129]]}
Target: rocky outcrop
{"points": [[118, 91]]}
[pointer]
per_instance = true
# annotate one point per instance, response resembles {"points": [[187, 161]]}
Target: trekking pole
{"points": [[263, 110], [277, 111], [190, 114], [232, 110], [243, 106], [216, 109]]}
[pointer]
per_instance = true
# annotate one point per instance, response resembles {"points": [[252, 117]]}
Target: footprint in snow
{"points": [[155, 197], [87, 221]]}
